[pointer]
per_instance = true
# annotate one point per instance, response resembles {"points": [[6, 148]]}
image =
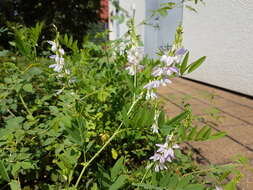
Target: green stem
{"points": [[97, 153], [92, 93], [135, 81], [144, 176], [31, 65], [24, 104], [12, 114], [209, 169], [104, 146]]}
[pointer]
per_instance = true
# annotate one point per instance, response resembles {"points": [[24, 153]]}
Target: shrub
{"points": [[89, 118]]}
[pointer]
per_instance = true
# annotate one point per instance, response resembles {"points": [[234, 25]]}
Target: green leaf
{"points": [[168, 126], [15, 185], [4, 53], [207, 134], [3, 172], [192, 133], [161, 119], [28, 88], [14, 123], [201, 132], [147, 186], [35, 71], [27, 165], [183, 66], [178, 118], [117, 168], [191, 8], [230, 186], [194, 187], [121, 180], [94, 186], [217, 135], [114, 154], [196, 64], [182, 132]]}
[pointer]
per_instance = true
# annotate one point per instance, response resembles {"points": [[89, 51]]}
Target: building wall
{"points": [[163, 36], [223, 31], [119, 29], [153, 38]]}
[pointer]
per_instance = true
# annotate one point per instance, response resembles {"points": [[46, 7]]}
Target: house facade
{"points": [[152, 36], [221, 30]]}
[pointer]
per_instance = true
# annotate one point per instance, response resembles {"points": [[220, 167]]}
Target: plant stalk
{"points": [[24, 104], [104, 146]]}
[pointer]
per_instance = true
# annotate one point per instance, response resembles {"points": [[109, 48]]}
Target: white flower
{"points": [[130, 70], [158, 71], [58, 57], [59, 91], [133, 69], [165, 81], [57, 67], [181, 51], [156, 157], [151, 95], [168, 60], [164, 154], [157, 83], [67, 71], [165, 71], [173, 69], [155, 128], [53, 45], [73, 80], [160, 167], [53, 56], [218, 188], [135, 55], [152, 84], [61, 51]]}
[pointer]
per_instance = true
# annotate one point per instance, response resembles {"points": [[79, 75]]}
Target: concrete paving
{"points": [[221, 110]]}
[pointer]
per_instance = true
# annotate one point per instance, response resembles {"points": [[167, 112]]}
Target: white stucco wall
{"points": [[223, 31], [152, 38], [120, 29], [164, 35]]}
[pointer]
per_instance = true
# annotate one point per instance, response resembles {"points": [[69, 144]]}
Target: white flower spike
{"points": [[58, 57], [53, 45]]}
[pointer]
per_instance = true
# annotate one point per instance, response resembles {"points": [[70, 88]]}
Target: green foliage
{"points": [[181, 125], [186, 67], [166, 7], [65, 130], [4, 173], [70, 43], [26, 39], [70, 16], [196, 64]]}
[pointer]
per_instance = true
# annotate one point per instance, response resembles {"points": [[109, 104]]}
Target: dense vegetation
{"points": [[75, 17], [88, 117]]}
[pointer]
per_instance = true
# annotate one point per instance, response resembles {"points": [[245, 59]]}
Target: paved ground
{"points": [[223, 111]]}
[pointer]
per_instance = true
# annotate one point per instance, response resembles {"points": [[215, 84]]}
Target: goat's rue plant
{"points": [[90, 118]]}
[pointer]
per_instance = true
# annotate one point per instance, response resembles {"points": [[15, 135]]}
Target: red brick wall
{"points": [[104, 13]]}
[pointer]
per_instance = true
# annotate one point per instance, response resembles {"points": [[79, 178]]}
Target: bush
{"points": [[89, 118], [70, 16]]}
